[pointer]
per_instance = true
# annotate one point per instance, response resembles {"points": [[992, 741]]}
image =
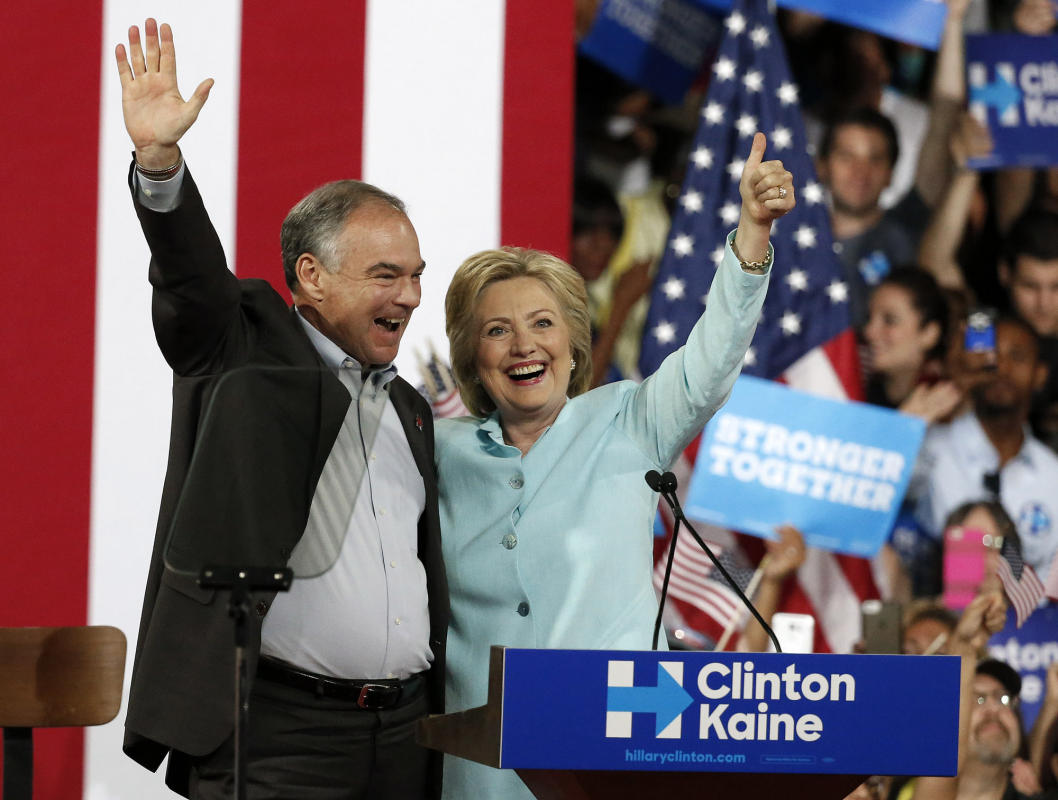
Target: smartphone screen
{"points": [[965, 551], [980, 331], [882, 628], [795, 632]]}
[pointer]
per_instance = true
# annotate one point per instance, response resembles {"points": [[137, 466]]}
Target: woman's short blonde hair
{"points": [[482, 270]]}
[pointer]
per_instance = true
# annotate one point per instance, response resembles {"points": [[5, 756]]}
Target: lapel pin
{"points": [[418, 422]]}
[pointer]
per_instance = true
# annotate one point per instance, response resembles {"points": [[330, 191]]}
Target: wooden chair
{"points": [[54, 677]]}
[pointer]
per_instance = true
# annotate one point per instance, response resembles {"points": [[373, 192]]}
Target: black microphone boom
{"points": [[666, 485]]}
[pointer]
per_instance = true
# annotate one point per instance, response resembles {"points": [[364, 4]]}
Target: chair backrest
{"points": [[54, 677]]}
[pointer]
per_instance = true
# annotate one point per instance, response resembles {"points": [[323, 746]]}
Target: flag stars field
{"points": [[781, 138], [797, 280], [665, 332], [724, 69], [838, 292], [787, 93], [812, 193], [683, 245], [805, 236], [702, 157], [691, 201], [713, 113], [790, 323], [729, 213], [753, 81], [673, 288], [735, 23], [746, 125]]}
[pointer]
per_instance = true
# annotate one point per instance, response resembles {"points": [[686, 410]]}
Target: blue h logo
{"points": [[666, 700], [1002, 93]]}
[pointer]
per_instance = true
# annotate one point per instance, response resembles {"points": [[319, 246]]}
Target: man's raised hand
{"points": [[156, 116]]}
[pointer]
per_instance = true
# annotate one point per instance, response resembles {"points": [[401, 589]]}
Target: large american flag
{"points": [[439, 101], [804, 336]]}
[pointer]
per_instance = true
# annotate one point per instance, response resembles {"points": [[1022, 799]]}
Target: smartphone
{"points": [[795, 632], [881, 626], [965, 552], [981, 332]]}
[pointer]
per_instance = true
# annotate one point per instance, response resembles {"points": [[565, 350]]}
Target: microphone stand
{"points": [[666, 485], [242, 582], [668, 568]]}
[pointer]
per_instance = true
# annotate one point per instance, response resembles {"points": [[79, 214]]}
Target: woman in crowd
{"points": [[546, 518], [906, 335]]}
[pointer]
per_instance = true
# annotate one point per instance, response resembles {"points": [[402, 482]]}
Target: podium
{"points": [[634, 724]]}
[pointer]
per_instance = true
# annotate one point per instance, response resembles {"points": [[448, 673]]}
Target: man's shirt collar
{"points": [[334, 357]]}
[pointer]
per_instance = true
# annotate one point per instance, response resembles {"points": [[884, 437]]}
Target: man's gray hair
{"points": [[315, 223]]}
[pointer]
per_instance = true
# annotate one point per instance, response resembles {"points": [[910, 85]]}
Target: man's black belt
{"points": [[372, 695]]}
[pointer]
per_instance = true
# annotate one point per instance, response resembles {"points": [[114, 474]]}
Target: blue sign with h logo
{"points": [[1013, 87], [729, 712]]}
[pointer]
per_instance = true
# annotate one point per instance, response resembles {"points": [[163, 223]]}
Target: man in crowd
{"points": [[991, 768], [272, 463], [1030, 274], [989, 453], [856, 159]]}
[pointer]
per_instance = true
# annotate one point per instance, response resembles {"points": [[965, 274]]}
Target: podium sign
{"points": [[729, 712]]}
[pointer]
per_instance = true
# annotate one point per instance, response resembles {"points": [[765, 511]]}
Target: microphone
{"points": [[653, 479], [660, 482], [666, 484]]}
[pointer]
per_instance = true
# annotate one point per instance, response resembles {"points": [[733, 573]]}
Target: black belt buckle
{"points": [[374, 696]]}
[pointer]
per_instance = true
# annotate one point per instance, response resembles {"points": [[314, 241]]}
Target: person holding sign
{"points": [[546, 518]]}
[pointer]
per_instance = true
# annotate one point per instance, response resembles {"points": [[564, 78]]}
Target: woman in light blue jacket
{"points": [[546, 519]]}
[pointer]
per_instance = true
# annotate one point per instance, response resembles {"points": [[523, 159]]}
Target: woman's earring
{"points": [[572, 365]]}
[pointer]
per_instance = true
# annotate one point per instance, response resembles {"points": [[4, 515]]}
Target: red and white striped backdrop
{"points": [[461, 107]]}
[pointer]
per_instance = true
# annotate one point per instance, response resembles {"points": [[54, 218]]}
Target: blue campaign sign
{"points": [[918, 22], [836, 470], [1030, 650], [729, 712], [657, 45], [1013, 85]]}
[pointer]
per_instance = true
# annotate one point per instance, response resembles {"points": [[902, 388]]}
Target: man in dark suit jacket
{"points": [[259, 414]]}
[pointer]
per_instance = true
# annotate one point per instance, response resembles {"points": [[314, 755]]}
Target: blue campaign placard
{"points": [[1030, 649], [919, 22], [729, 712], [836, 470], [1012, 81], [660, 46]]}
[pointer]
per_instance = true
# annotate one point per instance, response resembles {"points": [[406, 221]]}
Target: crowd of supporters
{"points": [[933, 252]]}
